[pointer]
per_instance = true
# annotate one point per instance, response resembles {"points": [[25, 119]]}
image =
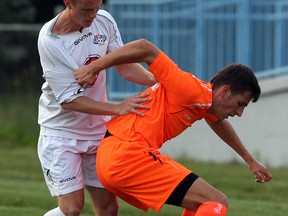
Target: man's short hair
{"points": [[240, 78]]}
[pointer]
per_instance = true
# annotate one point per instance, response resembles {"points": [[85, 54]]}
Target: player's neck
{"points": [[65, 24]]}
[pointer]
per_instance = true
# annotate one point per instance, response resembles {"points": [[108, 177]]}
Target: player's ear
{"points": [[226, 90], [67, 3]]}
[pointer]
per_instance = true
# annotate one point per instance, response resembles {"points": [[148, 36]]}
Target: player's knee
{"points": [[218, 196], [72, 210], [113, 209], [110, 210], [223, 199]]}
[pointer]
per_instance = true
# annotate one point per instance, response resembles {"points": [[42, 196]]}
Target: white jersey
{"points": [[60, 56]]}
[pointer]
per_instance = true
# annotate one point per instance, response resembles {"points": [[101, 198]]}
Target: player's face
{"points": [[231, 105], [84, 11]]}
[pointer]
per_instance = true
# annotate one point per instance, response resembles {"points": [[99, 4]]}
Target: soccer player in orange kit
{"points": [[129, 163]]}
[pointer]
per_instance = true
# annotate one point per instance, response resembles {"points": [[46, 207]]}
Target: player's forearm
{"points": [[86, 105], [227, 133]]}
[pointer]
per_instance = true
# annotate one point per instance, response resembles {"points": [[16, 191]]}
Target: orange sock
{"points": [[211, 209], [187, 212]]}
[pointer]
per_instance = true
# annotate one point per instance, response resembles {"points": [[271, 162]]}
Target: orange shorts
{"points": [[136, 173]]}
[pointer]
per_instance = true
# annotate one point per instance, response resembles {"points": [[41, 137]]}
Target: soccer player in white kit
{"points": [[72, 120]]}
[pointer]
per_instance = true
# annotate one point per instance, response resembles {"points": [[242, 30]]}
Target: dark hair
{"points": [[240, 78]]}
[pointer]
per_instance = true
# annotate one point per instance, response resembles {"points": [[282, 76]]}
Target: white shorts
{"points": [[68, 164]]}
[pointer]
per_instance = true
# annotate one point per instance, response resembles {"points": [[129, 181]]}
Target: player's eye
{"points": [[241, 104]]}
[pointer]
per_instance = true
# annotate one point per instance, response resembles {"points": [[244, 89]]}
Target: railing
{"points": [[202, 36]]}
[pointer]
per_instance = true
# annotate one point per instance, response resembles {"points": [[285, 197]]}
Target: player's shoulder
{"points": [[46, 40], [47, 27], [104, 14]]}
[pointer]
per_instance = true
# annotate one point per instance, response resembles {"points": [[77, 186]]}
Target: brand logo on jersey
{"points": [[188, 117], [78, 91], [83, 37], [49, 177], [99, 39], [87, 61]]}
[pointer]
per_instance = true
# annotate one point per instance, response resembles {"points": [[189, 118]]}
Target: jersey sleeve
{"points": [[182, 87], [58, 69]]}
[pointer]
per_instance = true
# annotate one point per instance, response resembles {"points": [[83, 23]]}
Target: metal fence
{"points": [[202, 36]]}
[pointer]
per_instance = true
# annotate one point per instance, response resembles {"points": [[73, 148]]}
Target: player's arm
{"points": [[226, 132], [133, 52], [136, 73], [86, 105]]}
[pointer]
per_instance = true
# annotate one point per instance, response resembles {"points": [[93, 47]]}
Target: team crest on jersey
{"points": [[99, 39], [88, 60]]}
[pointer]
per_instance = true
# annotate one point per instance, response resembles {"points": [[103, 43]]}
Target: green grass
{"points": [[24, 193], [18, 120]]}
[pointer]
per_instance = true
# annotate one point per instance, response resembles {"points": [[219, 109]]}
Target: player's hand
{"points": [[134, 104], [260, 171], [85, 76]]}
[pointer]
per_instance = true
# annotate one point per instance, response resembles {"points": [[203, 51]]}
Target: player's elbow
{"points": [[148, 50], [68, 105], [65, 106]]}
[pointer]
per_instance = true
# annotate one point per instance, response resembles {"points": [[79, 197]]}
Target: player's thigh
{"points": [[199, 192]]}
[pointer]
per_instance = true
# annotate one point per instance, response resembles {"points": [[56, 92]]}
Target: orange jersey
{"points": [[179, 99]]}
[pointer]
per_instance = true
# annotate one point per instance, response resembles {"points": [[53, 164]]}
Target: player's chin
{"points": [[88, 23]]}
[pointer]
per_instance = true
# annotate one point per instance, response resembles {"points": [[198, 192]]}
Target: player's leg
{"points": [[71, 204], [62, 168], [187, 212], [196, 196], [105, 203], [203, 199], [177, 196]]}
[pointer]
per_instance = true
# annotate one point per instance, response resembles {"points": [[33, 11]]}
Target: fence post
{"points": [[200, 39], [243, 32], [279, 32]]}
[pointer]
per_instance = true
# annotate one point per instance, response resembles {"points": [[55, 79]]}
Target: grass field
{"points": [[24, 193]]}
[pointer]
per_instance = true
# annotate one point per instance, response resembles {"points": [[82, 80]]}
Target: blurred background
{"points": [[201, 36]]}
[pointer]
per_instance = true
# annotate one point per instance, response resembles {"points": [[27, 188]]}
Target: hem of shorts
{"points": [[169, 192], [98, 185], [144, 208], [70, 190]]}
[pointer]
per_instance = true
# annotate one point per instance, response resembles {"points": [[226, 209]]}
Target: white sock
{"points": [[55, 212]]}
